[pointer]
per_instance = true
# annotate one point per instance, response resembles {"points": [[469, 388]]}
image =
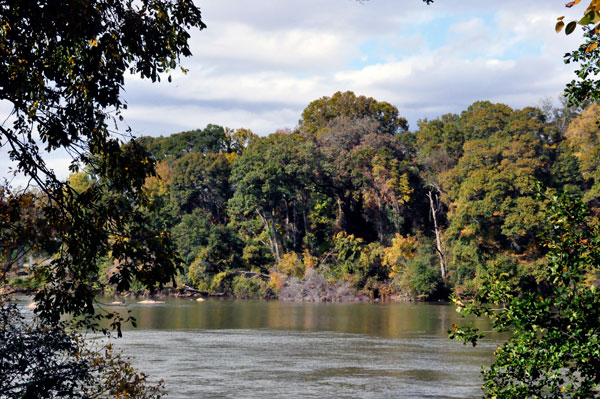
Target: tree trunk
{"points": [[438, 239], [275, 237], [273, 246], [340, 214], [295, 226]]}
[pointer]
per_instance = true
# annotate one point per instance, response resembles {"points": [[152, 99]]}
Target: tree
{"points": [[274, 179], [199, 237], [202, 181], [582, 138], [585, 88], [211, 139], [63, 73], [49, 361], [553, 321], [491, 206], [319, 113], [368, 162]]}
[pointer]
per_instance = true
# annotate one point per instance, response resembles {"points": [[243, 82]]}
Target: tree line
{"points": [[355, 196], [367, 211]]}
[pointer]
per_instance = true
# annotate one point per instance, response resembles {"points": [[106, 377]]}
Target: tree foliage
{"points": [[211, 139], [553, 321], [319, 113], [64, 66], [251, 205], [47, 361]]}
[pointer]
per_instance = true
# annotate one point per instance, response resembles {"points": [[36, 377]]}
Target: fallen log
{"points": [[249, 274]]}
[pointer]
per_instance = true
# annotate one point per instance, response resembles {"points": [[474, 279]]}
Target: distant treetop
{"points": [[319, 113]]}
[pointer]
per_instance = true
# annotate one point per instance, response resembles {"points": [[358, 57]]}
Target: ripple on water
{"points": [[272, 363]]}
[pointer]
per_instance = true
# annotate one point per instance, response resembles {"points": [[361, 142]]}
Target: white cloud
{"points": [[151, 119], [241, 47], [260, 63]]}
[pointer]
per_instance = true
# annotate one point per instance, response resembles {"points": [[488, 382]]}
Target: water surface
{"points": [[258, 349]]}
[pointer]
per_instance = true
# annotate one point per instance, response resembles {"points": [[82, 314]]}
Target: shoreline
{"points": [[193, 294]]}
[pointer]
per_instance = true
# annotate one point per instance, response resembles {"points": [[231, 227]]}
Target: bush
{"points": [[221, 283], [276, 281], [552, 322], [291, 265], [251, 288], [41, 361], [197, 275], [420, 275], [255, 255], [356, 261]]}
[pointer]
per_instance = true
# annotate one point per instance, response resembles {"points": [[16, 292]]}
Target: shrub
{"points": [[276, 281], [42, 361], [418, 275], [197, 275], [251, 288], [552, 323], [291, 265]]}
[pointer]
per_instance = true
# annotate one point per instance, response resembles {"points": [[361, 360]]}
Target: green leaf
{"points": [[587, 18], [570, 27]]}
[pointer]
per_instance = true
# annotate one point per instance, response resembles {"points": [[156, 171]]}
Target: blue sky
{"points": [[259, 63]]}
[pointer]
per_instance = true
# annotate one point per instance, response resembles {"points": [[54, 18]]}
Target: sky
{"points": [[258, 64]]}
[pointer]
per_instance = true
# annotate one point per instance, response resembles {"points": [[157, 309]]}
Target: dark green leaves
{"points": [[553, 321], [570, 27]]}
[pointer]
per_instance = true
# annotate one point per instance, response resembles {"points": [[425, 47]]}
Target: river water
{"points": [[260, 349]]}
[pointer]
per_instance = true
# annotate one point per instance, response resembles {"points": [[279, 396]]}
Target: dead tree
{"points": [[434, 205]]}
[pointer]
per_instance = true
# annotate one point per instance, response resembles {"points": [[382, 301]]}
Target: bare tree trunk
{"points": [[295, 226], [379, 220], [287, 221], [340, 214], [305, 221], [275, 237], [273, 246], [438, 239]]}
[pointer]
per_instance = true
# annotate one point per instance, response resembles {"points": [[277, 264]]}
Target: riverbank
{"points": [[312, 287]]}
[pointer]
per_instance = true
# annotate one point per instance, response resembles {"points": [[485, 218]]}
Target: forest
{"points": [[353, 199], [494, 208]]}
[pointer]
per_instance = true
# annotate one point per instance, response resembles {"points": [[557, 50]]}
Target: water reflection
{"points": [[382, 320]]}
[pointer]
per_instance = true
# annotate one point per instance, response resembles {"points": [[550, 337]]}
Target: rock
{"points": [[150, 302], [200, 299]]}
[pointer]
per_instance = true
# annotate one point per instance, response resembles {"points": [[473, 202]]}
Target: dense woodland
{"points": [[354, 198], [352, 195], [351, 199]]}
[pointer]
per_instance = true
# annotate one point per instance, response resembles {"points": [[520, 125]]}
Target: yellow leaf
{"points": [[572, 3], [591, 47], [594, 5]]}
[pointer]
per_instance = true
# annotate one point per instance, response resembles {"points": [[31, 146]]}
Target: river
{"points": [[260, 349]]}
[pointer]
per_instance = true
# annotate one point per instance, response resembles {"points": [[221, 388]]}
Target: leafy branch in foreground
{"points": [[64, 66], [553, 320], [47, 361]]}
